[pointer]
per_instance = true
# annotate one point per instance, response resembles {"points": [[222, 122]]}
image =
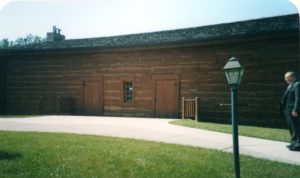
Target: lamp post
{"points": [[234, 72]]}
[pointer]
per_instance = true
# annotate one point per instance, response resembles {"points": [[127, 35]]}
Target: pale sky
{"points": [[98, 18]]}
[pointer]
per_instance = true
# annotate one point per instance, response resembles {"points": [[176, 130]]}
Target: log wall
{"points": [[2, 86], [51, 83]]}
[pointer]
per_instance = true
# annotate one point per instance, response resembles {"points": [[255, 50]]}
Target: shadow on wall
{"points": [[56, 105]]}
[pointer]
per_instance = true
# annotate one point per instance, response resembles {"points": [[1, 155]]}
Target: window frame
{"points": [[127, 91], [123, 81]]}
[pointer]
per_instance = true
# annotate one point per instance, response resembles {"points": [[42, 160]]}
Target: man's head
{"points": [[289, 77]]}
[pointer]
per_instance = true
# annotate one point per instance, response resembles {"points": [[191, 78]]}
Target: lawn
{"points": [[30, 154], [250, 131]]}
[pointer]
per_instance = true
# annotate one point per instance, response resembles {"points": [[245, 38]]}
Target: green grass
{"points": [[250, 131], [29, 154]]}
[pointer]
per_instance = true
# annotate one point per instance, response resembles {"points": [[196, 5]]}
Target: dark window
{"points": [[128, 91]]}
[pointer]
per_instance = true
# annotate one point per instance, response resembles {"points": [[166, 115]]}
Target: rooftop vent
{"points": [[55, 35]]}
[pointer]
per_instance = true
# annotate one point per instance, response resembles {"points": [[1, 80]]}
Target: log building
{"points": [[147, 74]]}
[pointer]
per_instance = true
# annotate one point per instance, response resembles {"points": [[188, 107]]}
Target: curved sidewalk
{"points": [[153, 130]]}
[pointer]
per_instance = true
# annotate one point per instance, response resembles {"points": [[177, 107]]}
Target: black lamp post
{"points": [[234, 72]]}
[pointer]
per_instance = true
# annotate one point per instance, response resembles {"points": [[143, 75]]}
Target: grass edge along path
{"points": [[249, 131], [32, 154]]}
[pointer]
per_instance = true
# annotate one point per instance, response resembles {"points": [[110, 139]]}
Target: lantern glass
{"points": [[233, 71], [234, 76]]}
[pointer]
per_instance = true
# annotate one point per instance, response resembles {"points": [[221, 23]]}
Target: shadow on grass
{"points": [[5, 155]]}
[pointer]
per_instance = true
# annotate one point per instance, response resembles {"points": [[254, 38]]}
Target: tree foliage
{"points": [[21, 42]]}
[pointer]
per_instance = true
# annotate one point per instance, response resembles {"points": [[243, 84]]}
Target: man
{"points": [[290, 107]]}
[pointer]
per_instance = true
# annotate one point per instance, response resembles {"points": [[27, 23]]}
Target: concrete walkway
{"points": [[153, 130]]}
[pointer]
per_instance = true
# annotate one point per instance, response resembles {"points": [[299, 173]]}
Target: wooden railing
{"points": [[189, 108]]}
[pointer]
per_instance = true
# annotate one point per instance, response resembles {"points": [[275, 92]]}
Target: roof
{"points": [[261, 26]]}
